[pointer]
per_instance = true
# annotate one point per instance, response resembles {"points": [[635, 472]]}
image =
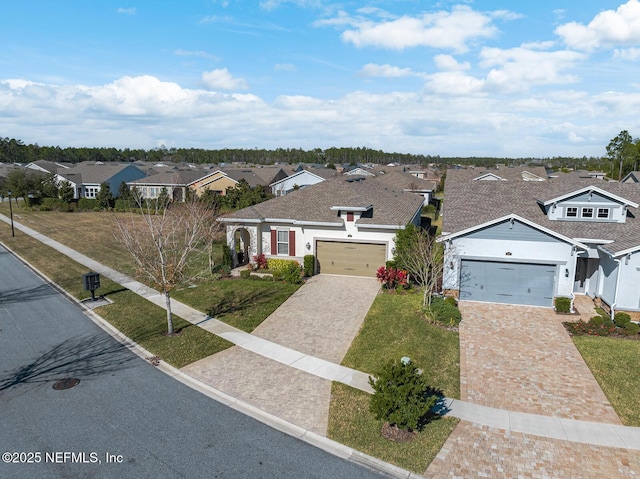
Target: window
{"points": [[91, 191], [603, 213], [572, 212], [587, 213], [283, 242]]}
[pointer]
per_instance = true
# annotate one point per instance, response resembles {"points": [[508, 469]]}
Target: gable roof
{"points": [[172, 178], [313, 205], [572, 191], [631, 177], [92, 173], [404, 181], [471, 204]]}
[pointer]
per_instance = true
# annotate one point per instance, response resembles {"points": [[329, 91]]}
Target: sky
{"points": [[449, 78]]}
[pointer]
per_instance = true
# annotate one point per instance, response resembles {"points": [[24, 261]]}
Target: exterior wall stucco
{"points": [[559, 253], [627, 295]]}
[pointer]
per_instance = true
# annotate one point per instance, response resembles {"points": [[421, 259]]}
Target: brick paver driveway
{"points": [[522, 359], [320, 319]]}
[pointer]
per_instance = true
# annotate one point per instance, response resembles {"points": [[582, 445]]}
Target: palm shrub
{"points": [[401, 395]]}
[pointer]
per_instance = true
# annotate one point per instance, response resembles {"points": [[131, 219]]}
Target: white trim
{"points": [[294, 175], [515, 218], [590, 189], [351, 208]]}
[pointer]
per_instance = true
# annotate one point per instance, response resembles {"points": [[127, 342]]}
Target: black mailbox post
{"points": [[91, 282]]}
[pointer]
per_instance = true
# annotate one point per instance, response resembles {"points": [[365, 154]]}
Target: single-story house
{"points": [[527, 242], [408, 183], [86, 177], [348, 223], [175, 183]]}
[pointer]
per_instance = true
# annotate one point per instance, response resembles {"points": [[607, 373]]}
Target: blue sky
{"points": [[449, 78]]}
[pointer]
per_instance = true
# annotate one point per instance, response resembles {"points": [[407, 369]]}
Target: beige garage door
{"points": [[353, 259]]}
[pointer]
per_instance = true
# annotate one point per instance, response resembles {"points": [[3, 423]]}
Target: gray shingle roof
{"points": [[473, 203], [390, 206]]}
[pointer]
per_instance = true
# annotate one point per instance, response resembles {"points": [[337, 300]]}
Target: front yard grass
{"points": [[394, 327], [242, 303], [612, 362]]}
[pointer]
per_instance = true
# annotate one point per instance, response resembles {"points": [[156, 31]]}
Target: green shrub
{"points": [[390, 264], [621, 319], [444, 311], [221, 269], [122, 205], [451, 301], [401, 395], [597, 320], [309, 265], [227, 258], [631, 329], [245, 274], [88, 204], [293, 273], [562, 304]]}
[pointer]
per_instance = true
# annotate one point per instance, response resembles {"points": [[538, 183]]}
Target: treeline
{"points": [[15, 151]]}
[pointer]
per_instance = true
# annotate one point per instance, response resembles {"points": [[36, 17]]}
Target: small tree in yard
{"points": [[422, 257], [401, 395], [163, 238]]}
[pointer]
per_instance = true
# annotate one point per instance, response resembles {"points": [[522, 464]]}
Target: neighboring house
{"points": [[46, 166], [256, 176], [296, 181], [86, 177], [175, 183], [526, 242], [358, 171], [409, 183], [631, 177], [349, 224]]}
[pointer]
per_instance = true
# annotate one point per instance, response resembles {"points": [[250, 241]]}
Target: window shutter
{"points": [[349, 216], [292, 243], [274, 242]]}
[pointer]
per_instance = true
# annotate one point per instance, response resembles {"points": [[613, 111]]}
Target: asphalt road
{"points": [[125, 419]]}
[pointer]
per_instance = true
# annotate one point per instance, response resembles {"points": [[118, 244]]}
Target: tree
{"points": [[104, 196], [65, 191], [163, 238], [421, 256], [124, 192], [622, 150]]}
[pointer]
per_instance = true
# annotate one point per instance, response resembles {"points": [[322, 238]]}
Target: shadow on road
{"points": [[22, 295], [80, 357]]}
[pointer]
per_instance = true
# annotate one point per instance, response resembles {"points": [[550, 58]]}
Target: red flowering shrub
{"points": [[260, 261], [392, 278]]}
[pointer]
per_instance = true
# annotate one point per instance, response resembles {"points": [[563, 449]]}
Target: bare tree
{"points": [[422, 257], [163, 238]]}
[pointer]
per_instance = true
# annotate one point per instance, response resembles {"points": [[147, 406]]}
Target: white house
{"points": [[296, 181], [349, 224], [527, 242]]}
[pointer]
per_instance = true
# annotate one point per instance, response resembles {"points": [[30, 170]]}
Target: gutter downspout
{"points": [[615, 297]]}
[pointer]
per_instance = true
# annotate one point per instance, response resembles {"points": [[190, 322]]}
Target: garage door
{"points": [[353, 259], [512, 283]]}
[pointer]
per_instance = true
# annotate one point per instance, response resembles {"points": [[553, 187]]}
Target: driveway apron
{"points": [[320, 319], [522, 359]]}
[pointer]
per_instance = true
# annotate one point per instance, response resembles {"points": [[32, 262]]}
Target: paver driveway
{"points": [[522, 359], [320, 319]]}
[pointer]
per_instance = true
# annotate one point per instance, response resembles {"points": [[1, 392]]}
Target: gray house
{"points": [[86, 177], [527, 242]]}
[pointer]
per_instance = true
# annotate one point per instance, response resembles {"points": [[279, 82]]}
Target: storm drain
{"points": [[66, 383]]}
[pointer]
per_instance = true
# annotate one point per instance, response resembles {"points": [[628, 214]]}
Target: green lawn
{"points": [[242, 303], [394, 328], [614, 363]]}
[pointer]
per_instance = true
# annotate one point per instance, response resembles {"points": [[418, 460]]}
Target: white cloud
{"points": [[143, 112], [608, 28], [221, 79], [127, 11], [386, 71], [517, 69], [195, 53], [285, 67], [447, 62], [442, 30], [631, 54]]}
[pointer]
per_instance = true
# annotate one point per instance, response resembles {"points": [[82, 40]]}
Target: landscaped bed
{"points": [[395, 327]]}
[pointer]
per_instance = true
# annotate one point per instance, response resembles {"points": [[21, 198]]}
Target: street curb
{"points": [[275, 422]]}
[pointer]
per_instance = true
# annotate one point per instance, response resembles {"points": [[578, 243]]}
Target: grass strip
{"points": [[351, 423], [612, 362]]}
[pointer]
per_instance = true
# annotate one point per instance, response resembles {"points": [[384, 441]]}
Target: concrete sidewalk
{"points": [[553, 428]]}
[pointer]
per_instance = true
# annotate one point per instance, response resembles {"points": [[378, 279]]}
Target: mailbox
{"points": [[91, 282]]}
